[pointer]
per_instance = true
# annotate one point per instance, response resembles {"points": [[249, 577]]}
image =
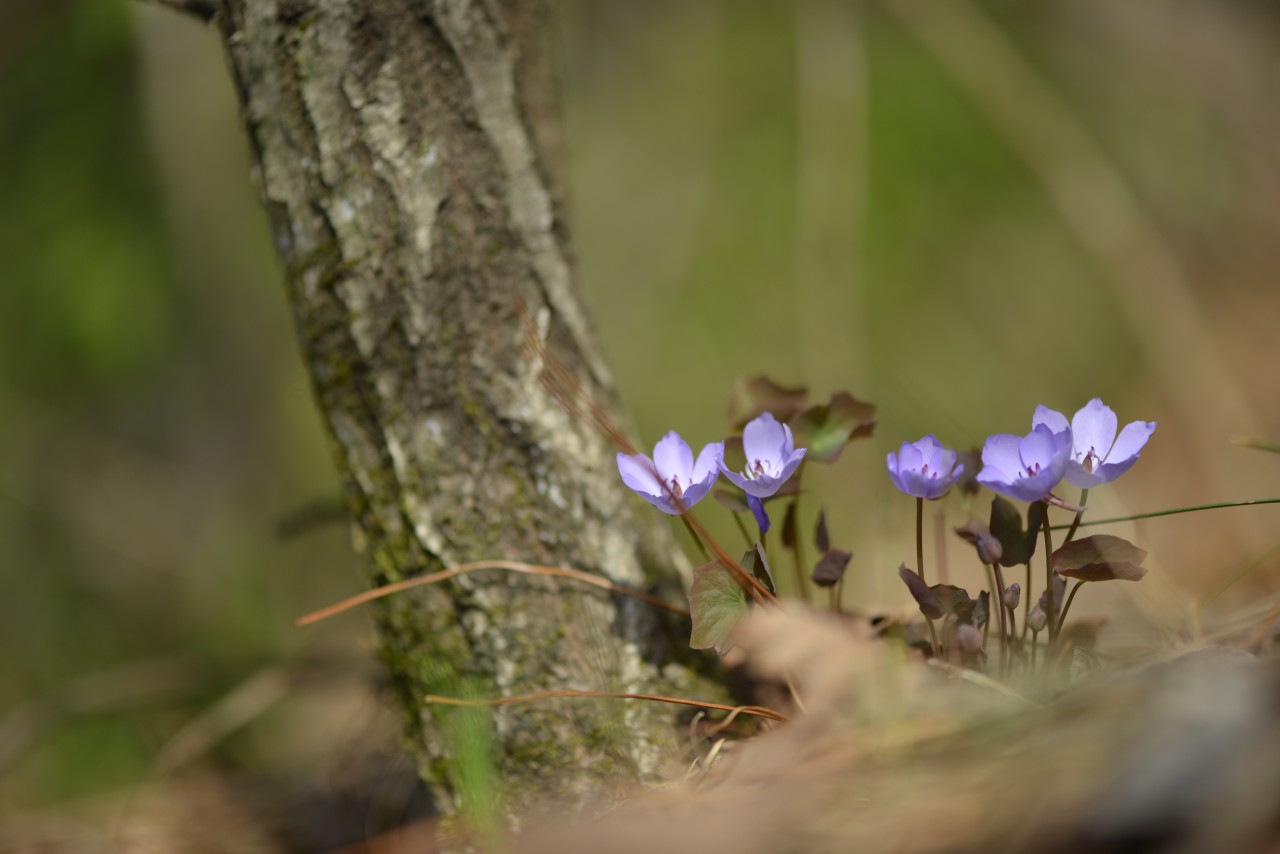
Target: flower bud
{"points": [[1037, 619], [1012, 596], [968, 639], [989, 549]]}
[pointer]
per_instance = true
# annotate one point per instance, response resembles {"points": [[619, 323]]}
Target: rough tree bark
{"points": [[404, 156]]}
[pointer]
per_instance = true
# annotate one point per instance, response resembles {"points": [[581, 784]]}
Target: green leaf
{"points": [[1257, 444], [1016, 544], [1101, 557], [752, 397], [827, 428], [716, 603], [921, 592]]}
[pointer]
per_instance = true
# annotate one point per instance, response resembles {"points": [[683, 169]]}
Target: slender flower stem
{"points": [[1035, 638], [706, 555], [920, 537], [940, 545], [758, 711], [1048, 580], [797, 550], [1026, 605], [933, 634], [737, 519], [1175, 511], [1075, 523], [997, 603], [1071, 597]]}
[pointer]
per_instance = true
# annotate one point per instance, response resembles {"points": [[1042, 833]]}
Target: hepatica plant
{"points": [[781, 433], [776, 432]]}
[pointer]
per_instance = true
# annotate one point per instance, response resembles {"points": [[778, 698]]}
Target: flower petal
{"points": [[1019, 489], [895, 473], [1038, 447], [997, 481], [792, 463], [909, 458], [699, 489], [941, 461], [765, 439], [1051, 418], [927, 445], [674, 458], [891, 463], [708, 463], [1093, 429], [736, 478], [762, 515], [1036, 487], [913, 484], [1000, 454], [1131, 440], [1123, 455], [637, 472]]}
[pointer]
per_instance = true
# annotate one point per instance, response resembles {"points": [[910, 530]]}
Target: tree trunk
{"points": [[403, 151]]}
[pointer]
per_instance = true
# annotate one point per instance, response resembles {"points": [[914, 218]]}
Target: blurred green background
{"points": [[956, 214]]}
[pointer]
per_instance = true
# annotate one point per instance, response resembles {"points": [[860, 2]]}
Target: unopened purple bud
{"points": [[1012, 596], [969, 639], [1037, 619]]}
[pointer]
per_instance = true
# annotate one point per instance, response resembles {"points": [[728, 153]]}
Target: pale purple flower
{"points": [[1025, 468], [924, 469], [772, 457], [1098, 455], [672, 481]]}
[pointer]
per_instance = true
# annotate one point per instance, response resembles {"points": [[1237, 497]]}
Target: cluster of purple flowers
{"points": [[1087, 452], [673, 481]]}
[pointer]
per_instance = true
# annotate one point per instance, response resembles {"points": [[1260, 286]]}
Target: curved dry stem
{"points": [[757, 590], [463, 569], [758, 711]]}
